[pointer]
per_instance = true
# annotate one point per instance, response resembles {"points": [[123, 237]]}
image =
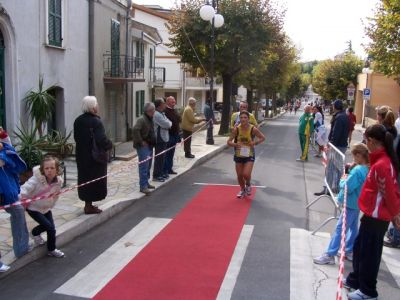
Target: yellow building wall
{"points": [[384, 91]]}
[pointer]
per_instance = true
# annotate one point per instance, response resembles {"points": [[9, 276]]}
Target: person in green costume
{"points": [[306, 127]]}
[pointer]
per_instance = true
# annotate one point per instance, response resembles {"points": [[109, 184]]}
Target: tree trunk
{"points": [[249, 97], [273, 104], [226, 103]]}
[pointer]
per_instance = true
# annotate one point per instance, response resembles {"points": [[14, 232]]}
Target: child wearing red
{"points": [[380, 203]]}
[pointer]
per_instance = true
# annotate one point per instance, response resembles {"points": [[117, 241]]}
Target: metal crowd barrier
{"points": [[335, 162]]}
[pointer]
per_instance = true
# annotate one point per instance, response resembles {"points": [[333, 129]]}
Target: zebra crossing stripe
{"points": [[101, 270]]}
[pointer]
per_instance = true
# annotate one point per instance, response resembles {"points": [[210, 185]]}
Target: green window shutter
{"points": [[137, 102], [151, 58], [141, 102], [55, 22]]}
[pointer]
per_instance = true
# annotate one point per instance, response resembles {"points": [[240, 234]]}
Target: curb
{"points": [[82, 224]]}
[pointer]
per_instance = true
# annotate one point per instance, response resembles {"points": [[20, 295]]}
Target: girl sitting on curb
{"points": [[46, 181], [354, 180]]}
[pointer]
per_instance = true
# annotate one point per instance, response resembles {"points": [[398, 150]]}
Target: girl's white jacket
{"points": [[37, 186]]}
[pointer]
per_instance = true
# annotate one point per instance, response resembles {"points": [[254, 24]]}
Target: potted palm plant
{"points": [[40, 105], [28, 147]]}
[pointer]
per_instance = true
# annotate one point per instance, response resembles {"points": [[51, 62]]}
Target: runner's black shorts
{"points": [[243, 160]]}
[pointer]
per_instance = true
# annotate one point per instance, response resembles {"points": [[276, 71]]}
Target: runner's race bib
{"points": [[244, 151]]}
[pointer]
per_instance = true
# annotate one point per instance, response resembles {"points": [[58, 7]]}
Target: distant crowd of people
{"points": [[372, 188]]}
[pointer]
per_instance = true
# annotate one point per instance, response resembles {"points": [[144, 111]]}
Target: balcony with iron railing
{"points": [[122, 68], [157, 76]]}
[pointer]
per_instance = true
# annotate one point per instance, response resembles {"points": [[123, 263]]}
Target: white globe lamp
{"points": [[218, 21], [207, 12]]}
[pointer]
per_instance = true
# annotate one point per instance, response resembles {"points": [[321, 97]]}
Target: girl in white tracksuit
{"points": [[46, 181]]}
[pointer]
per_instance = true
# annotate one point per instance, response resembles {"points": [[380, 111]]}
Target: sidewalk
{"points": [[123, 190]]}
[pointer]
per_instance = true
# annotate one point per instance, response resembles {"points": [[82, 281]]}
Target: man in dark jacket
{"points": [[87, 125], [338, 136], [144, 140], [174, 136], [209, 115]]}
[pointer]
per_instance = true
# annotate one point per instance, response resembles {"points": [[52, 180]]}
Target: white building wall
{"points": [[29, 56]]}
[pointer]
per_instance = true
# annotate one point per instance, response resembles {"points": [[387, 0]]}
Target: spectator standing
{"points": [[144, 140], [321, 132], [11, 165], [86, 126], [379, 203], [385, 116], [354, 181], [161, 130], [188, 122], [210, 119], [46, 181], [338, 136], [235, 118], [352, 122], [306, 127], [174, 136]]}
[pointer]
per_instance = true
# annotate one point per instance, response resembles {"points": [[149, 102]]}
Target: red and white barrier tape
{"points": [[342, 246], [26, 201]]}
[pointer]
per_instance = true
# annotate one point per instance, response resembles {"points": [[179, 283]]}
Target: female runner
{"points": [[243, 140]]}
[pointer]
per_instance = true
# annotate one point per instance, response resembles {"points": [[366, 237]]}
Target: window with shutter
{"points": [[137, 102], [141, 102], [55, 22]]}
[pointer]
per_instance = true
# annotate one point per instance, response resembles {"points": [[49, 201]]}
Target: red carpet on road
{"points": [[189, 258]]}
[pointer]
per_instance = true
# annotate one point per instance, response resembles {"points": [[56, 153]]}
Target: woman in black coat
{"points": [[88, 168]]}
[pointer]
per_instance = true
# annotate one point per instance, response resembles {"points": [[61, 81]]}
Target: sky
{"points": [[321, 28]]}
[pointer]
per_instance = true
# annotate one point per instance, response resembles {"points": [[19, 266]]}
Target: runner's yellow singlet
{"points": [[244, 137]]}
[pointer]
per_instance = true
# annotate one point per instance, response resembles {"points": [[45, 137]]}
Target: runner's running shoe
{"points": [[241, 194], [248, 190]]}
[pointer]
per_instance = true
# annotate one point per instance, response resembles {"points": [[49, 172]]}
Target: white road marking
{"points": [[232, 273], [107, 265], [101, 270], [223, 184], [391, 257]]}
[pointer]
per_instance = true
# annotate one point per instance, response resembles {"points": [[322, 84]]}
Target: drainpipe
{"points": [[91, 47], [128, 9]]}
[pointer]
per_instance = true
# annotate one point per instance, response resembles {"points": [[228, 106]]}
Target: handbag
{"points": [[99, 155]]}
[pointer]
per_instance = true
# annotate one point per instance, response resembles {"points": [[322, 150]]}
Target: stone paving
{"points": [[123, 183]]}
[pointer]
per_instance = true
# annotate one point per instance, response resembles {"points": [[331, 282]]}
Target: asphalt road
{"points": [[265, 272]]}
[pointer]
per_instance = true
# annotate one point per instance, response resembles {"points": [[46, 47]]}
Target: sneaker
{"points": [[248, 190], [159, 179], [324, 259], [346, 286], [56, 253], [349, 256], [165, 176], [38, 240], [241, 194], [358, 295], [391, 244], [299, 159], [145, 191], [4, 268], [152, 187]]}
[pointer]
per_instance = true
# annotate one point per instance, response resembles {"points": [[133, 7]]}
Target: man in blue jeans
{"points": [[143, 141], [174, 136]]}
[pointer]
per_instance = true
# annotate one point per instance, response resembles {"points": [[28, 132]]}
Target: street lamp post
{"points": [[207, 13]]}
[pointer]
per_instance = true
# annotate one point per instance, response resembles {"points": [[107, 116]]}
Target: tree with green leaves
{"points": [[249, 26], [384, 31], [331, 77]]}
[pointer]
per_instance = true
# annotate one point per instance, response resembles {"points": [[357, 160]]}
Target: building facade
{"points": [[181, 81], [43, 39], [122, 72], [384, 91]]}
